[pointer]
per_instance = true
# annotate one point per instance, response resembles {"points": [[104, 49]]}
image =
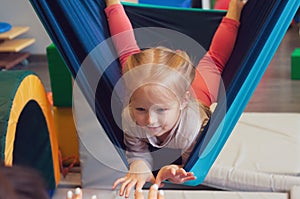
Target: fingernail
{"points": [[161, 192], [155, 186], [69, 194], [77, 191], [140, 190]]}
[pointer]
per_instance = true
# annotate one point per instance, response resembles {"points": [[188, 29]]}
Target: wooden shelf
{"points": [[9, 60], [10, 47], [14, 32], [15, 45]]}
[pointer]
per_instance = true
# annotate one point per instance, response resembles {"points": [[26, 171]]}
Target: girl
{"points": [[168, 105]]}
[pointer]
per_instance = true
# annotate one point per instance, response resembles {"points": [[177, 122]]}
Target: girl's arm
{"points": [[136, 149], [209, 70], [121, 30]]}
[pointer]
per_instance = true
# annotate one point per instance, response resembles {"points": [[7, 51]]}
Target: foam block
{"points": [[295, 64], [61, 81], [66, 133]]}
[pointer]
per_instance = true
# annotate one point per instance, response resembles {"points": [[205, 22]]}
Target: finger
{"points": [[118, 181], [158, 181], [78, 193], [152, 194], [188, 178], [173, 171], [139, 194], [181, 172], [129, 188], [123, 187], [159, 178], [69, 194], [188, 174], [161, 194], [139, 185]]}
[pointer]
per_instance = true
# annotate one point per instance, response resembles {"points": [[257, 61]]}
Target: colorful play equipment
{"points": [[101, 148], [60, 78], [295, 64], [4, 27], [27, 133], [61, 87]]}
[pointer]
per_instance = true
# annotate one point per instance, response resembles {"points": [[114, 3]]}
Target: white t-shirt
{"points": [[183, 136]]}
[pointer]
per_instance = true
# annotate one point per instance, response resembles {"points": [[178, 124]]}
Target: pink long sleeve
{"points": [[121, 32], [209, 70]]}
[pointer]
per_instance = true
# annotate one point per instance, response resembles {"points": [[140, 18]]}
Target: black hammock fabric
{"points": [[76, 27]]}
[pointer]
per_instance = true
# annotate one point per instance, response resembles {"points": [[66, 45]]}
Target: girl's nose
{"points": [[152, 117]]}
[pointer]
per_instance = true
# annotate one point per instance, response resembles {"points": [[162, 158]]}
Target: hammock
{"points": [[77, 27]]}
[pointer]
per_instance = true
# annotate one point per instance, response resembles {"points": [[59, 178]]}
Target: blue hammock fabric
{"points": [[254, 49], [174, 3], [76, 27]]}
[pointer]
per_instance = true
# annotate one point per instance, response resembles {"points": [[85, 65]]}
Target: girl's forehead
{"points": [[154, 93]]}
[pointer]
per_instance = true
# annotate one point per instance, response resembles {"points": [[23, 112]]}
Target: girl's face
{"points": [[156, 108]]}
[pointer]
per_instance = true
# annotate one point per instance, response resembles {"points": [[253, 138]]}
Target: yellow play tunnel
{"points": [[27, 133]]}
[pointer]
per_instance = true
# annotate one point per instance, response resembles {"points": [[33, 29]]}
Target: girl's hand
{"points": [[174, 174], [235, 9], [138, 175]]}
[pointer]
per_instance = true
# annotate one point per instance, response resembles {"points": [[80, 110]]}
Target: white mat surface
{"points": [[262, 154], [106, 194]]}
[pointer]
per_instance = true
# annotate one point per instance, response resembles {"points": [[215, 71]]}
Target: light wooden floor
{"points": [[275, 93]]}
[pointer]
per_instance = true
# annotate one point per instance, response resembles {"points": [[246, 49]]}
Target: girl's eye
{"points": [[140, 109], [160, 110]]}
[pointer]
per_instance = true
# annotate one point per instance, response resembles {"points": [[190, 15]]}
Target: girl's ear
{"points": [[185, 100]]}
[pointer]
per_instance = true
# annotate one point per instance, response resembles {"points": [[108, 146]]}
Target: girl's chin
{"points": [[155, 131]]}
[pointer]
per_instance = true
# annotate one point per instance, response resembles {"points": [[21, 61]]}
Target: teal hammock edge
{"points": [[205, 162]]}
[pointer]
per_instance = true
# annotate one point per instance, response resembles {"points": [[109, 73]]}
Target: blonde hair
{"points": [[164, 66]]}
